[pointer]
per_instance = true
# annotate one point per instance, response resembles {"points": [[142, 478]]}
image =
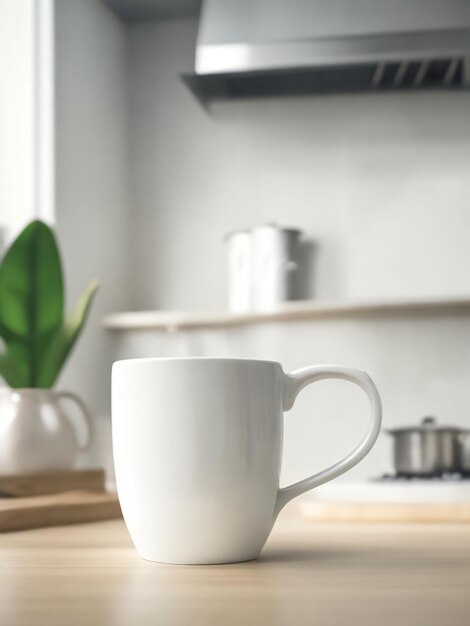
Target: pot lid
{"points": [[428, 424]]}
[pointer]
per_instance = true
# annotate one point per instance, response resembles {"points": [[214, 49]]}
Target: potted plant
{"points": [[35, 433]]}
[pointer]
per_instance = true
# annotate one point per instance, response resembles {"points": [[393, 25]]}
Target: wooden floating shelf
{"points": [[173, 321]]}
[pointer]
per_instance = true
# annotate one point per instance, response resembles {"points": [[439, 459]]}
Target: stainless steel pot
{"points": [[427, 449], [464, 442]]}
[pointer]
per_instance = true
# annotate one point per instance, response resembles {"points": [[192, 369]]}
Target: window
{"points": [[26, 114]]}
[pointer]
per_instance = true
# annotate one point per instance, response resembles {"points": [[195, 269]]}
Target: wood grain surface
{"points": [[318, 574], [70, 507], [23, 485]]}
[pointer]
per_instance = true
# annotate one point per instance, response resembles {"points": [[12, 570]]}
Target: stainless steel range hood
{"points": [[269, 47]]}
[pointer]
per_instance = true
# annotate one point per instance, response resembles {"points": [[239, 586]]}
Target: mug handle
{"points": [[299, 379], [68, 395]]}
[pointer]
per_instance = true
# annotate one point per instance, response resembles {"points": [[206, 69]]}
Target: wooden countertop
{"points": [[322, 574]]}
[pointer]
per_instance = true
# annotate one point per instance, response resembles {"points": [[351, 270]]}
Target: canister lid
{"points": [[272, 226], [284, 229], [232, 233], [428, 424]]}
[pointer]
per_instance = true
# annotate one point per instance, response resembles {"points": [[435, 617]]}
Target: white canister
{"points": [[274, 265], [239, 271]]}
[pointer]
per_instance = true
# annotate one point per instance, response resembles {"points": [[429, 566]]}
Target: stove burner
{"points": [[445, 477]]}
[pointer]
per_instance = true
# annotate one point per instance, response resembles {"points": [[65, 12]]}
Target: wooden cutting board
{"points": [[22, 485], [71, 507], [446, 512]]}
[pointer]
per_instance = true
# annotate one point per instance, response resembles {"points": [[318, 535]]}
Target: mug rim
{"points": [[152, 359]]}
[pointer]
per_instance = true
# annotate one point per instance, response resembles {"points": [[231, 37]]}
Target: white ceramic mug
{"points": [[197, 448]]}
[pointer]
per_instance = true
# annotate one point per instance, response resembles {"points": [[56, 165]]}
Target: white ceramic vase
{"points": [[36, 434]]}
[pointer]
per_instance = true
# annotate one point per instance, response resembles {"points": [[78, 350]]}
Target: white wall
{"points": [[91, 179], [379, 181]]}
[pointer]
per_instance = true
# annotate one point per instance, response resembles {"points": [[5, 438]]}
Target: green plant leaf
{"points": [[58, 347], [37, 338], [31, 298], [14, 367]]}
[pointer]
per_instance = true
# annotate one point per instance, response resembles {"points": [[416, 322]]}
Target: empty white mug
{"points": [[197, 448]]}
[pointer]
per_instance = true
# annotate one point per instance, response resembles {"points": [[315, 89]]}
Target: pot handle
{"points": [[68, 395], [299, 379]]}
